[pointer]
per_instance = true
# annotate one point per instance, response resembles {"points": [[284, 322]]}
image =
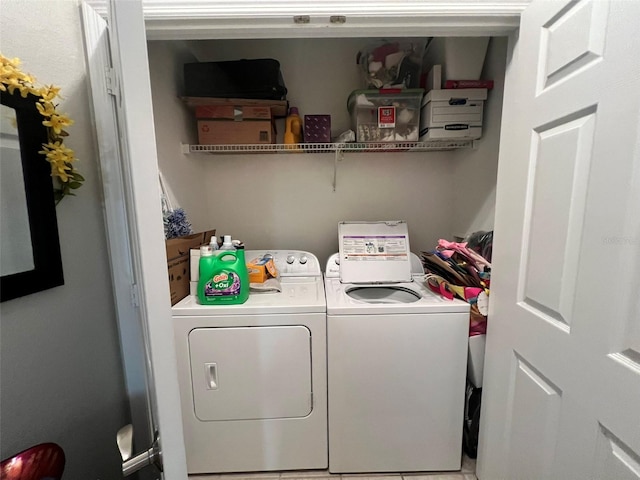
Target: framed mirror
{"points": [[30, 259]]}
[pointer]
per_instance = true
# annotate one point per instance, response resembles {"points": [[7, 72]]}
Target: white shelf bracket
{"points": [[185, 148], [338, 157]]}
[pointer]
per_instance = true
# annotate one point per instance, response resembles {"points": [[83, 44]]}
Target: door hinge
{"points": [[112, 82], [135, 297], [131, 464]]}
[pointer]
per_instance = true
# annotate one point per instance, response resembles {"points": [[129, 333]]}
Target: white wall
{"points": [[286, 201], [61, 376], [475, 171], [173, 125]]}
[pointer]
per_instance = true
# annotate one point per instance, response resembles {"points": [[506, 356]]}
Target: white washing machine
{"points": [[253, 376], [397, 357]]}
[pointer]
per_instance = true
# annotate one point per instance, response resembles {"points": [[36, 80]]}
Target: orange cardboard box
{"points": [[227, 124], [260, 270], [224, 132], [178, 262], [230, 112]]}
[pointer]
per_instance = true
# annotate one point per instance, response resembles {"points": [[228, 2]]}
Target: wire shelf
{"points": [[432, 145]]}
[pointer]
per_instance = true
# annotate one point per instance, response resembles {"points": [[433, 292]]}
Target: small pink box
{"points": [[317, 128]]}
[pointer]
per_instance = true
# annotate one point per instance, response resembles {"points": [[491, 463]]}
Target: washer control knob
{"points": [[267, 256], [303, 259], [290, 259]]}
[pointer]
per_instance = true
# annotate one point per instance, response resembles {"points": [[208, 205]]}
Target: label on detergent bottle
{"points": [[223, 284]]}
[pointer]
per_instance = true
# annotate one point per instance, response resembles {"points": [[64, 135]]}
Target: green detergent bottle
{"points": [[224, 279]]}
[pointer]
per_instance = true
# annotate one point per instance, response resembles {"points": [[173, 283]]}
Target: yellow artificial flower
{"points": [[45, 108], [57, 122], [47, 147], [14, 62], [59, 156], [12, 83], [57, 152], [60, 170], [48, 93]]}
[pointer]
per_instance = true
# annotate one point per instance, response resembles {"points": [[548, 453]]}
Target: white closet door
{"points": [[121, 94], [562, 381]]}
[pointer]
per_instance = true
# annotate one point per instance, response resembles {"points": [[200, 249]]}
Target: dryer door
{"points": [[251, 373]]}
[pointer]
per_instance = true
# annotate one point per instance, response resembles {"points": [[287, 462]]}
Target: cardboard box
{"points": [[450, 114], [261, 269], [236, 113], [317, 129], [228, 124], [178, 262]]}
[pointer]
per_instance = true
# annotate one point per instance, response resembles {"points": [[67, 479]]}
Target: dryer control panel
{"points": [[289, 263]]}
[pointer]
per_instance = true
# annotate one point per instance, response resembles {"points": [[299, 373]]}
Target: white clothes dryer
{"points": [[253, 376], [397, 356]]}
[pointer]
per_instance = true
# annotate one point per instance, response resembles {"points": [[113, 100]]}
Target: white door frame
{"points": [[205, 19], [119, 69], [105, 94], [256, 19]]}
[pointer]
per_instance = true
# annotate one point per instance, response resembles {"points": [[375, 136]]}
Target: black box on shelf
{"points": [[251, 79]]}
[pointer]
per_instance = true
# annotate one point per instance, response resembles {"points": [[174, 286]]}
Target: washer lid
{"points": [[374, 252]]}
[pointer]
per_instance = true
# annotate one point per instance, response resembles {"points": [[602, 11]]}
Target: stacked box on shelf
{"points": [[388, 115], [451, 114], [257, 78], [317, 129], [229, 124]]}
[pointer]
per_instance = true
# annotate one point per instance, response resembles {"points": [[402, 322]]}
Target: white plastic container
{"points": [[390, 115], [475, 360], [462, 58]]}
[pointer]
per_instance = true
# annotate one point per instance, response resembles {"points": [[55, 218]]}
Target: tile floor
{"points": [[467, 472]]}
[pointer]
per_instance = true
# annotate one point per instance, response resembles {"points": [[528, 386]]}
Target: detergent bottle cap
{"points": [[293, 111], [206, 251]]}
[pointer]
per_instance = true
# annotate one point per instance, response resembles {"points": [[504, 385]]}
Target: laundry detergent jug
{"points": [[224, 279]]}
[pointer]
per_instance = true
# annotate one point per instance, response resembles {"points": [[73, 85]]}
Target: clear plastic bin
{"points": [[386, 115]]}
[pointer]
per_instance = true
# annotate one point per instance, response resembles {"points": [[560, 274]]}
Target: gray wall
{"points": [[61, 376]]}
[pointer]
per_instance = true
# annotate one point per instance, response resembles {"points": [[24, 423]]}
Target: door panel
{"points": [[537, 402], [251, 373], [562, 347], [560, 157], [572, 39], [614, 459]]}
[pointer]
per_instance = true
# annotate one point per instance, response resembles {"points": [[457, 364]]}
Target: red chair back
{"points": [[41, 462]]}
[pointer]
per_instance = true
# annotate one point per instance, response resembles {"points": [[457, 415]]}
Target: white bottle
{"points": [[214, 243], [227, 244]]}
